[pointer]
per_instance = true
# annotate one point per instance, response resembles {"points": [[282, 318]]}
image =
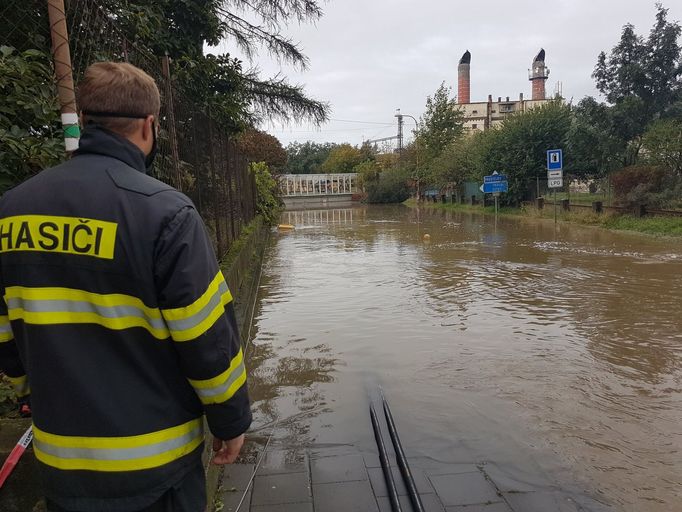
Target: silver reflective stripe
{"points": [[222, 388], [201, 315], [119, 453], [6, 330], [73, 306]]}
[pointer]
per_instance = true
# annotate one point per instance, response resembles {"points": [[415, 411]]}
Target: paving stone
{"points": [[286, 507], [508, 483], [430, 501], [279, 489], [343, 468], [235, 479], [376, 477], [540, 502], [283, 461], [452, 469], [492, 507], [464, 489], [332, 451], [372, 460], [344, 497]]}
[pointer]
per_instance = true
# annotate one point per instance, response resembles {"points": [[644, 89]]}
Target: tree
{"points": [[439, 126], [29, 114], [183, 28], [344, 158], [306, 157], [259, 146], [268, 203], [594, 151], [441, 123], [663, 144], [641, 80], [519, 147]]}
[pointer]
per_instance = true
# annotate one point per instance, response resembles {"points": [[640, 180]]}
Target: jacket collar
{"points": [[100, 141]]}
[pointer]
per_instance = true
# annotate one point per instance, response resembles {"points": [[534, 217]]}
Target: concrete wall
{"points": [[297, 203]]}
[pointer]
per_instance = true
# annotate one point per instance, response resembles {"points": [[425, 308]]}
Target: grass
{"points": [[659, 226]]}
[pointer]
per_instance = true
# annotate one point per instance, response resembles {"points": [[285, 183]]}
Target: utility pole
{"points": [[400, 131], [64, 73]]}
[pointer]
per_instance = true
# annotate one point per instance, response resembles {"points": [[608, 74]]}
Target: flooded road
{"points": [[552, 355]]}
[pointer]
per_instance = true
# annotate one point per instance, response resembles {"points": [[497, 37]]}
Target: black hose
{"points": [[385, 466], [402, 461]]}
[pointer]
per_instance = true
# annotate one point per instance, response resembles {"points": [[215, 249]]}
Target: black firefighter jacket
{"points": [[117, 320]]}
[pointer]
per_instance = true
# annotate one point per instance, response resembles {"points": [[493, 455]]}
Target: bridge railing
{"points": [[298, 185]]}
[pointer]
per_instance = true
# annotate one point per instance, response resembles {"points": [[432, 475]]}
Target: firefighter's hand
{"points": [[226, 452]]}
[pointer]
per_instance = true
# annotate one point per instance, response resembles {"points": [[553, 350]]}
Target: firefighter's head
{"points": [[123, 99]]}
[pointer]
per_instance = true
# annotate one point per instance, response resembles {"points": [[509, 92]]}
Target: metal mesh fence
{"points": [[195, 155]]}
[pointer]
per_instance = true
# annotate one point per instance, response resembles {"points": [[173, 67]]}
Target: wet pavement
{"points": [[343, 479]]}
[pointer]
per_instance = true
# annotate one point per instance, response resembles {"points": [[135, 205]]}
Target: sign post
{"points": [[495, 184], [555, 172]]}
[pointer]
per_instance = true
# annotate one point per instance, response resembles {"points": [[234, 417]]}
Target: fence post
{"points": [[170, 112], [216, 198], [62, 67]]}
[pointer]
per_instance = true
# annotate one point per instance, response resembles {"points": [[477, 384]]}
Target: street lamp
{"points": [[400, 142]]}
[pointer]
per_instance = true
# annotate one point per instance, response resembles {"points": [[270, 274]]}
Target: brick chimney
{"points": [[538, 75], [464, 79]]}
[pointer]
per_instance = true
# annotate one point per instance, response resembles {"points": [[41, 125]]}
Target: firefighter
{"points": [[116, 320]]}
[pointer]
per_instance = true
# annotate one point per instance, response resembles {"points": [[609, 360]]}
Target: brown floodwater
{"points": [[552, 354]]}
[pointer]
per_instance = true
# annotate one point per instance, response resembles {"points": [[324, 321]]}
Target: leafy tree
{"points": [[268, 203], [29, 116], [663, 144], [641, 79], [518, 148], [306, 157], [343, 158], [439, 126], [593, 150], [259, 146]]}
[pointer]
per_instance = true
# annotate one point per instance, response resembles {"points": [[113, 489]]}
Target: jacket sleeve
{"points": [[10, 363], [197, 307]]}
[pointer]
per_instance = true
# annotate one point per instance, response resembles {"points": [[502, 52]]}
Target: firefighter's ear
{"points": [[148, 129]]}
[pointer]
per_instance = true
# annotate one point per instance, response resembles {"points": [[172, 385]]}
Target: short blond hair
{"points": [[117, 88]]}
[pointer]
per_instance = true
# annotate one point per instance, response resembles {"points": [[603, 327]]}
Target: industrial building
{"points": [[482, 115]]}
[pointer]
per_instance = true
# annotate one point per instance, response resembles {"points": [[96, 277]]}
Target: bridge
{"points": [[310, 190]]}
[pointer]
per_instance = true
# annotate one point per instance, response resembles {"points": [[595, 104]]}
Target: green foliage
{"points": [[663, 144], [440, 125], [518, 148], [641, 80], [306, 157], [268, 203], [30, 134], [344, 158], [389, 187]]}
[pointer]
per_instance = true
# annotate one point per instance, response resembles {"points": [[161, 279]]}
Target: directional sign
{"points": [[555, 182], [494, 178], [555, 160], [494, 188]]}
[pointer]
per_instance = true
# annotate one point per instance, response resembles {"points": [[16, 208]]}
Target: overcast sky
{"points": [[369, 57]]}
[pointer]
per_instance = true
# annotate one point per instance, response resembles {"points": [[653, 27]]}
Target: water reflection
{"points": [[551, 352]]}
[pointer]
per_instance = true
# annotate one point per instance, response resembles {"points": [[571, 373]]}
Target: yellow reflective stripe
{"points": [[220, 379], [190, 322], [199, 304], [5, 329], [223, 387], [116, 442], [53, 305], [152, 461], [21, 387]]}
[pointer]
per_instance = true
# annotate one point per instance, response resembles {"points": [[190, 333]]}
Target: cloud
{"points": [[369, 57]]}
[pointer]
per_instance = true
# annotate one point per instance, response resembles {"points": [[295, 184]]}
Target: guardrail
{"points": [[599, 207]]}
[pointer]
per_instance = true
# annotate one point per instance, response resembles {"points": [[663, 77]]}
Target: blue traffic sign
{"points": [[494, 178], [555, 160], [495, 188]]}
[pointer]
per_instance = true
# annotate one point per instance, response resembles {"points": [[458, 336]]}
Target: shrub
{"points": [[390, 187], [636, 181]]}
